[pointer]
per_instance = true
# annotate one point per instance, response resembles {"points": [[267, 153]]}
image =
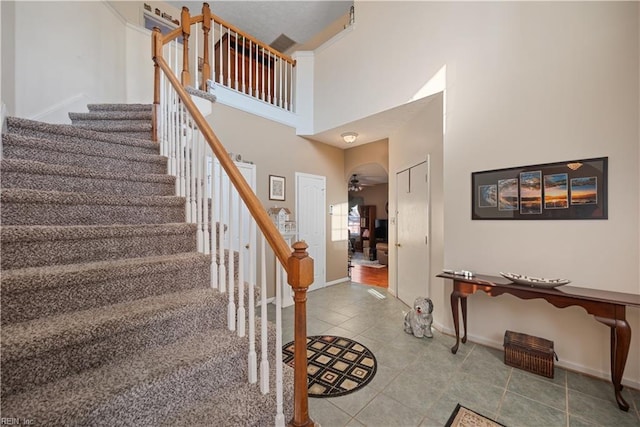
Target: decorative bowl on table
{"points": [[537, 282]]}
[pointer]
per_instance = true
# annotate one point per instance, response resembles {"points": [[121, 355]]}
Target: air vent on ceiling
{"points": [[282, 43]]}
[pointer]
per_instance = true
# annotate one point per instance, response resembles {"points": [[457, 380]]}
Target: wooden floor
{"points": [[370, 276]]}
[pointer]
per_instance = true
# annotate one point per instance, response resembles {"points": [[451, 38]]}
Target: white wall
{"points": [[526, 83], [67, 54], [7, 91]]}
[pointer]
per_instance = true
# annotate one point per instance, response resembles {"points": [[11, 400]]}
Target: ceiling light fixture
{"points": [[354, 184], [574, 166], [349, 137]]}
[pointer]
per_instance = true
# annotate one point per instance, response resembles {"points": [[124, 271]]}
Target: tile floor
{"points": [[419, 381]]}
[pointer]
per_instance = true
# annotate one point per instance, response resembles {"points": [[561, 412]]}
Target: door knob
{"points": [[398, 245]]}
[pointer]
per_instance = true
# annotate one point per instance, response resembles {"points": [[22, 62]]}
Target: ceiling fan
{"points": [[354, 184]]}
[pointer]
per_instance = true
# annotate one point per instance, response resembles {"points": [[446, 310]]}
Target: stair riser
{"points": [[119, 107], [164, 398], [124, 149], [38, 253], [69, 293], [112, 115], [14, 213], [136, 125], [18, 375], [69, 158], [123, 132], [85, 184]]}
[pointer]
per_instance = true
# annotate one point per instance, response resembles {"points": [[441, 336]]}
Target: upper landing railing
{"points": [[225, 55]]}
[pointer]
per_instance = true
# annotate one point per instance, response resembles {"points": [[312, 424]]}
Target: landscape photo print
{"points": [[575, 189]]}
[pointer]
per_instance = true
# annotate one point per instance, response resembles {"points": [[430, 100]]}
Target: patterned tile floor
{"points": [[419, 382]]}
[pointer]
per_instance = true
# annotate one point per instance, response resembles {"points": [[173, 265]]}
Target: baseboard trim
{"points": [[568, 365], [59, 106], [337, 281]]}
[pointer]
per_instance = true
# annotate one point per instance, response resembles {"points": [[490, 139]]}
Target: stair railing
{"points": [[232, 58], [213, 202]]}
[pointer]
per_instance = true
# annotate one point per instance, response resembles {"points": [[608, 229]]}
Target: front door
{"points": [[311, 214], [412, 219]]}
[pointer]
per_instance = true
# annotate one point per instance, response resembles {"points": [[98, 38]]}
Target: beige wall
{"points": [[418, 140], [7, 88], [72, 56], [526, 83], [276, 150]]}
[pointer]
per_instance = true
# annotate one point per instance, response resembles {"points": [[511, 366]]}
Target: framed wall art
{"points": [[276, 187], [574, 189]]}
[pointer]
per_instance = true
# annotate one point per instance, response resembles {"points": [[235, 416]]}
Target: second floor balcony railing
{"points": [[215, 52]]}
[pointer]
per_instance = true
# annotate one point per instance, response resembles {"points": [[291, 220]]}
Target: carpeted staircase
{"points": [[107, 313]]}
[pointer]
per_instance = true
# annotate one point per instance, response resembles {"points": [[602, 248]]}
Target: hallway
{"points": [[373, 275], [419, 382]]}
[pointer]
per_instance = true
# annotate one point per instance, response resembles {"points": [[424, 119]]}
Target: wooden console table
{"points": [[607, 307]]}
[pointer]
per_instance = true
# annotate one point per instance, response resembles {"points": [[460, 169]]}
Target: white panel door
{"points": [[311, 214], [248, 170], [412, 222]]}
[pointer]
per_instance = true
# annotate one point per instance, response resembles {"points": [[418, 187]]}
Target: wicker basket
{"points": [[529, 353]]}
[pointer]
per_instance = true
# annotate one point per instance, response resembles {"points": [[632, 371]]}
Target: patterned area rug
{"points": [[465, 417], [357, 259], [335, 366]]}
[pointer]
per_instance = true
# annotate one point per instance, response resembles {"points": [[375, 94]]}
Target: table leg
{"points": [[456, 320], [620, 343], [463, 303]]}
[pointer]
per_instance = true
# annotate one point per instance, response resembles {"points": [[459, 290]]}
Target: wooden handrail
{"points": [[268, 228], [298, 265]]}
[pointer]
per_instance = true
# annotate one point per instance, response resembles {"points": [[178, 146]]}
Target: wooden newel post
{"points": [[156, 51], [185, 17], [300, 276], [206, 27]]}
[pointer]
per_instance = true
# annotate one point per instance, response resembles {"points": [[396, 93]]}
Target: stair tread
{"points": [[238, 404], [24, 233], [77, 395], [120, 107], [34, 167], [43, 276], [39, 336], [94, 150], [75, 132], [21, 195], [106, 126], [112, 115]]}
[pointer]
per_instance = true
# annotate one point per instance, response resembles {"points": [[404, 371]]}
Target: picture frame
{"points": [[277, 187], [575, 189]]}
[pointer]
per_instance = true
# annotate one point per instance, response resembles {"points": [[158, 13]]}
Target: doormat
{"points": [[335, 365], [465, 417]]}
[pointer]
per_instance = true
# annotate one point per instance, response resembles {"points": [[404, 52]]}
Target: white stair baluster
{"points": [[235, 59], [264, 361], [181, 150], [222, 269], [228, 58], [196, 63], [205, 191], [199, 196], [215, 220], [253, 361], [278, 361], [221, 62], [231, 309], [188, 170], [241, 310], [244, 85]]}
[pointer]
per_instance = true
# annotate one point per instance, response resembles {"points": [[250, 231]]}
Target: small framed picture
{"points": [[276, 187]]}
